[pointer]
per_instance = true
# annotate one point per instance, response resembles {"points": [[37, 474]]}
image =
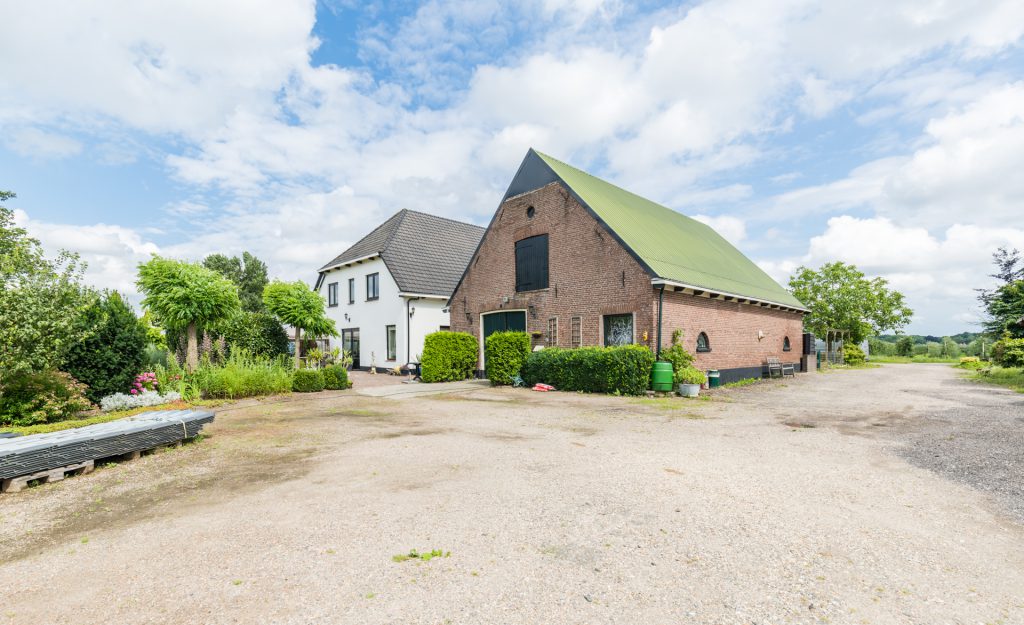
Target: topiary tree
{"points": [[183, 295], [109, 358], [295, 304]]}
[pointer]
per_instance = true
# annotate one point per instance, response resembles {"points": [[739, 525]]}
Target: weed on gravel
{"points": [[425, 556]]}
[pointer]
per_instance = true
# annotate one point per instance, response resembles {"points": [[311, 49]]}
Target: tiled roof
{"points": [[425, 254]]}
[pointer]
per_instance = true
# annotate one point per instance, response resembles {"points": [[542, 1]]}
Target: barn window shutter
{"points": [[532, 263]]}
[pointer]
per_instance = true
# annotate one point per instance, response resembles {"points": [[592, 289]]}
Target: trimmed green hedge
{"points": [[308, 381], [448, 357], [336, 378], [622, 370], [505, 353]]}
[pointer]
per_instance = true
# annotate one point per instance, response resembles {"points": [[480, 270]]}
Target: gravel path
{"points": [[779, 503]]}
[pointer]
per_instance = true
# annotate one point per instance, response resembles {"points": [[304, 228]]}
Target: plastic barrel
{"points": [[661, 376], [714, 379]]}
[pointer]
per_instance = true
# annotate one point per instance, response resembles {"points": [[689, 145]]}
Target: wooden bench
{"points": [[777, 366]]}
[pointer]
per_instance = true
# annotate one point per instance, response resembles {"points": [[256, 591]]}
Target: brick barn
{"points": [[577, 261]]}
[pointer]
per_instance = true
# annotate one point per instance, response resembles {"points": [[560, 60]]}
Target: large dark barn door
{"points": [[511, 320]]}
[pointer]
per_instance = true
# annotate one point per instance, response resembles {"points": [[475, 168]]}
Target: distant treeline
{"points": [[961, 339]]}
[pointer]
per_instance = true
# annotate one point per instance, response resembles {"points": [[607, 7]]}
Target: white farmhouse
{"points": [[390, 289]]}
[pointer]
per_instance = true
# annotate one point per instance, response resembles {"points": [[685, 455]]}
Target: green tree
{"points": [[843, 302], [1005, 311], [248, 273], [259, 333], [295, 304], [113, 354], [905, 346], [40, 301], [185, 295]]}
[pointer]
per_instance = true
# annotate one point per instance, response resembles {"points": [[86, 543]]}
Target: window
{"points": [[392, 343], [785, 344], [552, 331], [332, 294], [532, 263], [351, 290], [618, 330], [577, 331], [372, 286], [530, 212], [702, 343]]}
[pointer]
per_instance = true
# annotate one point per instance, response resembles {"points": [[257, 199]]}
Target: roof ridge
{"points": [[441, 217], [401, 214]]}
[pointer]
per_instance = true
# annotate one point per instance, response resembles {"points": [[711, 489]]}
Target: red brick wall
{"points": [[732, 331], [591, 275]]}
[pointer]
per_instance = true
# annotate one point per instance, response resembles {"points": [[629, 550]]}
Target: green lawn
{"points": [[910, 359], [1008, 377]]}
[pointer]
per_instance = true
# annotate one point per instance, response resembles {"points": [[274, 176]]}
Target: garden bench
{"points": [[777, 366]]}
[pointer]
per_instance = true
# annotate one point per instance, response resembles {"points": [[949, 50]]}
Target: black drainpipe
{"points": [[661, 298]]}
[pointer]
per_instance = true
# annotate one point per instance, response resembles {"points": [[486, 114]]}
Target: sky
{"points": [[884, 133]]}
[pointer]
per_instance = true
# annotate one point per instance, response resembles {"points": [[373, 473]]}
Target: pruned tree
{"points": [[295, 304], [185, 295]]}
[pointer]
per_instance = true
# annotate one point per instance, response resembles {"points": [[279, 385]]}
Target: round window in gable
{"points": [[529, 212], [702, 343], [785, 345]]}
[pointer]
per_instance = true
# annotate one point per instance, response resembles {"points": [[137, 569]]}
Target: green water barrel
{"points": [[714, 381], [661, 376]]}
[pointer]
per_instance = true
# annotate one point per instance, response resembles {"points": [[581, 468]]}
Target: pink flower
{"points": [[134, 391]]}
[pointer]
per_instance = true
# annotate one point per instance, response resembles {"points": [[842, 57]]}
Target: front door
{"points": [[350, 343]]}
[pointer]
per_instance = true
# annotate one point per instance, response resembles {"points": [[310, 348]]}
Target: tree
{"points": [[1005, 311], [184, 295], [108, 359], [40, 301], [843, 302], [905, 346], [248, 273], [295, 304], [260, 333]]}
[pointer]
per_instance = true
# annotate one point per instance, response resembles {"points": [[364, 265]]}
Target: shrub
{"points": [[690, 375], [620, 370], [505, 353], [242, 375], [336, 378], [1008, 352], [905, 346], [853, 354], [308, 381], [110, 356], [448, 357], [971, 362], [123, 401], [676, 353], [44, 397], [259, 333]]}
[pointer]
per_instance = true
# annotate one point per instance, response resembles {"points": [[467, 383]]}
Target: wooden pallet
{"points": [[15, 484]]}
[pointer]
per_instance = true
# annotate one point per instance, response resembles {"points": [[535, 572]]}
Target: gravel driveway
{"points": [[874, 496]]}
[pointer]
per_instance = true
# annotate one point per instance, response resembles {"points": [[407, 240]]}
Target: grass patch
{"points": [[425, 557], [1011, 378], [741, 383], [912, 359]]}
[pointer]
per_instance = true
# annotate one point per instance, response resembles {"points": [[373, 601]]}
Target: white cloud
{"points": [[36, 143]]}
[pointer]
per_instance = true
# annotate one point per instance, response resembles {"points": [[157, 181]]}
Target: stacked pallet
{"points": [[78, 448]]}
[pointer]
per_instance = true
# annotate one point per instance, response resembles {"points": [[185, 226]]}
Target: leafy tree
{"points": [[154, 333], [185, 295], [248, 272], [259, 333], [843, 301], [905, 346], [40, 301], [113, 354], [295, 304], [1006, 311]]}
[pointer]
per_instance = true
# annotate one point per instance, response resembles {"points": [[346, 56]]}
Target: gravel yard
{"points": [[888, 495]]}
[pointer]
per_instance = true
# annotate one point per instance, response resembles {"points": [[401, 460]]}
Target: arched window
{"points": [[702, 343], [785, 344]]}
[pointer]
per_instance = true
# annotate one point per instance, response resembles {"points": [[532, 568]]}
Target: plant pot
{"points": [[689, 390]]}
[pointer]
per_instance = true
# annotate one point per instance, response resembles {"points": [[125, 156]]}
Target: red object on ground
{"points": [[543, 387]]}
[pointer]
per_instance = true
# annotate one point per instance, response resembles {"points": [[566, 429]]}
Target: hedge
{"points": [[505, 353], [308, 381], [448, 357], [622, 370], [336, 378], [853, 355]]}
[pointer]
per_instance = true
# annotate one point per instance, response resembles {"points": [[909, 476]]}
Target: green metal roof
{"points": [[673, 246]]}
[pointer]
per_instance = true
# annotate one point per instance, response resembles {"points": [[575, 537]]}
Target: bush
{"points": [[905, 346], [690, 375], [124, 401], [853, 355], [108, 359], [448, 357], [258, 333], [971, 362], [1008, 352], [505, 354], [242, 375], [308, 381], [622, 370], [677, 354], [336, 378], [31, 398]]}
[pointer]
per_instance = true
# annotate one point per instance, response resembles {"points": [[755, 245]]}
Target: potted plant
{"points": [[688, 380]]}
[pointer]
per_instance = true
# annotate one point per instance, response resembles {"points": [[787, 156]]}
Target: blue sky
{"points": [[889, 134]]}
